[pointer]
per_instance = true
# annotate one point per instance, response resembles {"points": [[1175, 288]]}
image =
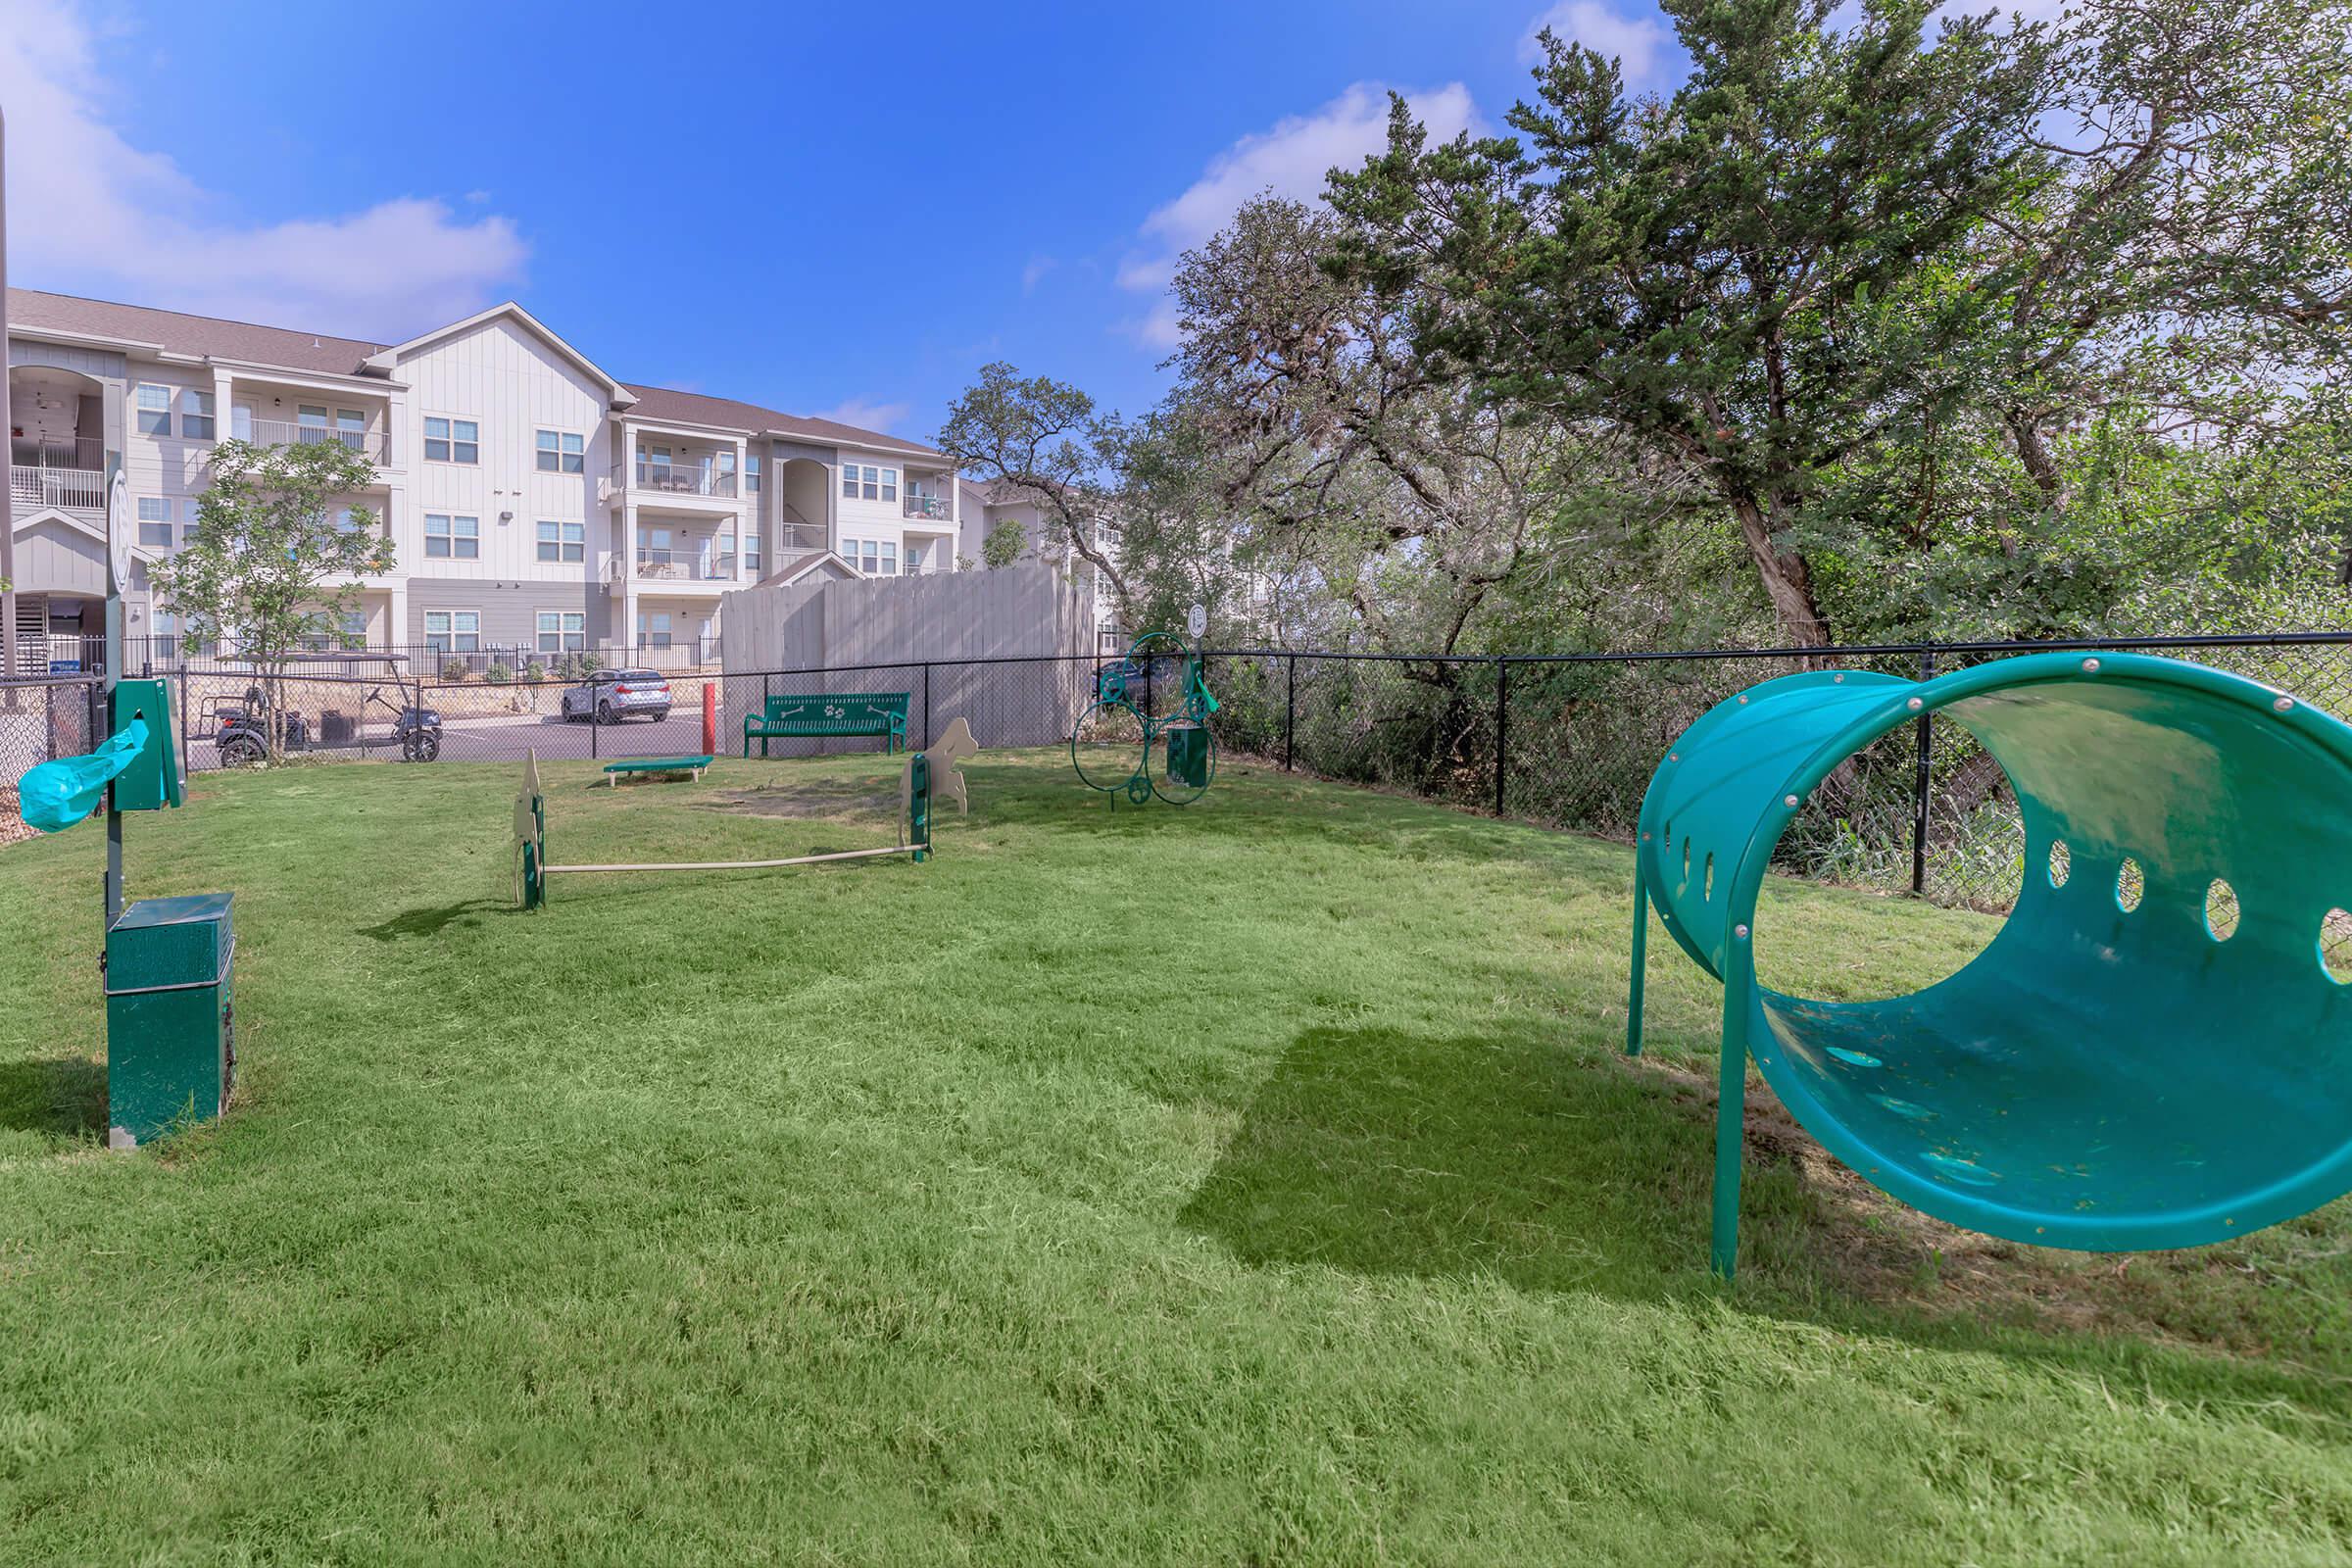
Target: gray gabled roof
{"points": [[32, 309], [696, 408]]}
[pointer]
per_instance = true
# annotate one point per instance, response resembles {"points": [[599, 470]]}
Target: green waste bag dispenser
{"points": [[171, 1021]]}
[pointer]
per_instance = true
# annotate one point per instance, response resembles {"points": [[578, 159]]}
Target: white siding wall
{"points": [[511, 384]]}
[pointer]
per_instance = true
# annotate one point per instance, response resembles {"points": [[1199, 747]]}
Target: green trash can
{"points": [[171, 1038]]}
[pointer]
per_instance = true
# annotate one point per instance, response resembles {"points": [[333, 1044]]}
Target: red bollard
{"points": [[710, 719]]}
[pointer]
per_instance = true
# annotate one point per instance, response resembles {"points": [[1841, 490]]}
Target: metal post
{"points": [[8, 504], [114, 663], [1502, 687], [1290, 710], [1924, 743], [926, 746]]}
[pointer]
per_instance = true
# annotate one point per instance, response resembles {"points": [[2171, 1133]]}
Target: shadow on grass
{"points": [[1510, 1157], [433, 920], [58, 1096]]}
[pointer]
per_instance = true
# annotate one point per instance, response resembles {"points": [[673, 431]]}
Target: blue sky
{"points": [[822, 208]]}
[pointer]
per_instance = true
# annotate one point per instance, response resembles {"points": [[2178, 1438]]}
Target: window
{"points": [[192, 510], [453, 631], [162, 635], [656, 549], [562, 541], [155, 521], [849, 481], [890, 557], [868, 483], [653, 630], [351, 628], [890, 483], [449, 538], [751, 473], [563, 631], [240, 421], [561, 452], [452, 440], [154, 409], [872, 486], [310, 419], [751, 552], [867, 555], [196, 415], [347, 519], [914, 560]]}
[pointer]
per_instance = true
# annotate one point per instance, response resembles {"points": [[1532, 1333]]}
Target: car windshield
{"points": [[638, 675]]}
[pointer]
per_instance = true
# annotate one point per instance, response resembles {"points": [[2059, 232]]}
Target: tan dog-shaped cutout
{"points": [[946, 779]]}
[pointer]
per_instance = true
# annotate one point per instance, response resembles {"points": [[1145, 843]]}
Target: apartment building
{"points": [[985, 507], [534, 501]]}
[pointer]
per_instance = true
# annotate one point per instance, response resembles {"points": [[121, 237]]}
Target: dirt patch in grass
{"points": [[1881, 1250], [810, 801]]}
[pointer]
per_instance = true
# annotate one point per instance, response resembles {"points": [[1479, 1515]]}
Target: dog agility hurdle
{"points": [[532, 868]]}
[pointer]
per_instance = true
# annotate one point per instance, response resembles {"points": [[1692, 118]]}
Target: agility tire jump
{"points": [[925, 770], [1124, 745], [2127, 1065]]}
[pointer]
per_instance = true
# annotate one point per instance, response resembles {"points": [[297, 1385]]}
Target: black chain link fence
{"points": [[1570, 742], [1565, 741], [41, 721]]}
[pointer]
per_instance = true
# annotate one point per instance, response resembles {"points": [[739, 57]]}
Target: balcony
{"points": [[375, 445], [681, 478], [683, 566], [928, 509]]}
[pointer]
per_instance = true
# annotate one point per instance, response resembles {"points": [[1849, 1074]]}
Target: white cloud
{"points": [[1290, 160], [866, 415], [1038, 267], [91, 214], [1643, 47]]}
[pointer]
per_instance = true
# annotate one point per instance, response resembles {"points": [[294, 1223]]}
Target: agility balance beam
{"points": [[741, 865]]}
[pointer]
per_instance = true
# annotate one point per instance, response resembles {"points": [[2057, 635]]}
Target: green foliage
{"points": [[1003, 543], [499, 672], [1034, 439], [455, 669], [534, 671], [272, 545]]}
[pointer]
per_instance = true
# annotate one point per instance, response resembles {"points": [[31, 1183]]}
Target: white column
{"points": [[954, 518], [743, 508], [625, 633]]}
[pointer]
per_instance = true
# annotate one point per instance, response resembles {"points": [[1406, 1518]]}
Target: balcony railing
{"points": [[684, 565], [931, 509], [371, 444], [77, 489], [687, 478]]}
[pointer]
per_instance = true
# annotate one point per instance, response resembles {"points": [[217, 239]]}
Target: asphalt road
{"points": [[506, 740]]}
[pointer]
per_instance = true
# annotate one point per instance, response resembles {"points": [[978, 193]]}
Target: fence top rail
{"points": [[2278, 639]]}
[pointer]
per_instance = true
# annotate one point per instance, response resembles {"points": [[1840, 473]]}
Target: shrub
{"points": [[498, 674], [453, 669], [534, 670]]}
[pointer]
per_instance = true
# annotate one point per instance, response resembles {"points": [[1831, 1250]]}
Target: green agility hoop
{"points": [[2123, 1067], [1147, 733]]}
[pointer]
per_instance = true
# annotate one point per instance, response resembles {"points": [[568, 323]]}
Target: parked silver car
{"points": [[611, 694]]}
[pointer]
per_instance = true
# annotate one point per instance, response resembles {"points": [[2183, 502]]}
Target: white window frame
{"points": [[567, 450], [570, 631], [197, 415], [451, 537], [890, 557], [151, 417], [453, 638], [650, 636], [890, 484], [466, 451], [154, 512], [751, 468], [571, 541], [754, 551]]}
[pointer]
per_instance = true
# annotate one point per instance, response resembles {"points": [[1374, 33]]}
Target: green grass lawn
{"points": [[1257, 1183]]}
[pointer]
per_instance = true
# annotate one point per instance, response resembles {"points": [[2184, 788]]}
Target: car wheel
{"points": [[240, 752], [605, 715]]}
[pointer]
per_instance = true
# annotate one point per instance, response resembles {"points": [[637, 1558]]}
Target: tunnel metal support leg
{"points": [[1640, 948], [1730, 1124]]}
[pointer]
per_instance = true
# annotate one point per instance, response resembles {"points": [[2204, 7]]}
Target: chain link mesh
{"points": [[1567, 743]]}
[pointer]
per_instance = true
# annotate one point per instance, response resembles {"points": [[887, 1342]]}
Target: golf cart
{"points": [[237, 726]]}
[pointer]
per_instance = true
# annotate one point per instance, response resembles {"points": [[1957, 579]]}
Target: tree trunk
{"points": [[2032, 451], [1786, 581]]}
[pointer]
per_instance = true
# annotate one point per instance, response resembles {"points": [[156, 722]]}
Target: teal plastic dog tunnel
{"points": [[2153, 1052]]}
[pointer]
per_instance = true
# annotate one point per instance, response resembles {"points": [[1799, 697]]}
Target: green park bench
{"points": [[881, 713], [656, 764]]}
